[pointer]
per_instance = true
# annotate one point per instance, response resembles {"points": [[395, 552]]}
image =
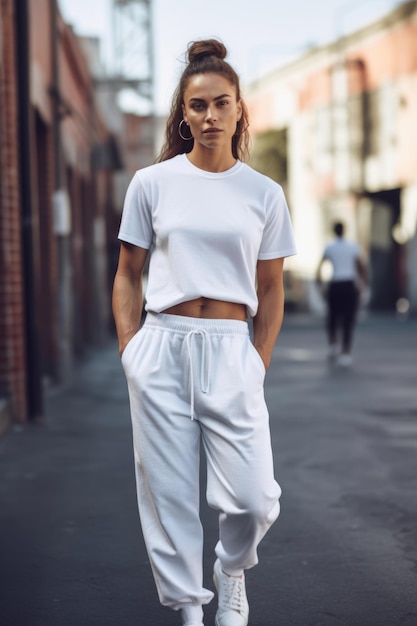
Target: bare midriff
{"points": [[211, 309]]}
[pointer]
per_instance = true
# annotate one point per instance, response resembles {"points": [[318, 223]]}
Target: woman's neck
{"points": [[211, 161]]}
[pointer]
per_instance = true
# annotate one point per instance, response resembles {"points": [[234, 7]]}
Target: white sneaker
{"points": [[233, 604], [345, 360]]}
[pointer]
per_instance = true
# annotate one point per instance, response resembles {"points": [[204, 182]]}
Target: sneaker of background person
{"points": [[345, 360]]}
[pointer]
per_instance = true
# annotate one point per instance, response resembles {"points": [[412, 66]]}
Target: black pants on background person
{"points": [[342, 302]]}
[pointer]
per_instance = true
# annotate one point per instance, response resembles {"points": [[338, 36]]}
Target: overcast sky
{"points": [[259, 34]]}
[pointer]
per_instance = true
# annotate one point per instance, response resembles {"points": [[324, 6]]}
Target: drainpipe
{"points": [[62, 217], [30, 222]]}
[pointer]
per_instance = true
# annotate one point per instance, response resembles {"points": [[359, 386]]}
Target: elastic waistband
{"points": [[182, 324]]}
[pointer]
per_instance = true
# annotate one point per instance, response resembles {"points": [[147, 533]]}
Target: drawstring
{"points": [[205, 363]]}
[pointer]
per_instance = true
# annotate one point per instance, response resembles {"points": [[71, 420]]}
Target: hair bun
{"points": [[197, 50]]}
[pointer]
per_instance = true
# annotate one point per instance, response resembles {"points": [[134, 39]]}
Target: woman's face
{"points": [[212, 111]]}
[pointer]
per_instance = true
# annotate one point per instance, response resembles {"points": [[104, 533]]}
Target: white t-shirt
{"points": [[205, 230], [343, 256]]}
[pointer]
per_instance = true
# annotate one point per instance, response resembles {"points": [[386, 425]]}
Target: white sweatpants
{"points": [[193, 379]]}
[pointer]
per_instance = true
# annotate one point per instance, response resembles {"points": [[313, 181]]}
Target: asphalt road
{"points": [[343, 552]]}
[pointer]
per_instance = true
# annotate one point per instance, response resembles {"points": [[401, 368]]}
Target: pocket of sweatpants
{"points": [[128, 347], [258, 357]]}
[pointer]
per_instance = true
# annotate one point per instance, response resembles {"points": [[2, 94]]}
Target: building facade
{"points": [[57, 162], [338, 127]]}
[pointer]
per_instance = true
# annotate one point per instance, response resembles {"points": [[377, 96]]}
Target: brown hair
{"points": [[204, 57]]}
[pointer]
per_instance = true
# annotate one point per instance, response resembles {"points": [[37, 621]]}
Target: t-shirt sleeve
{"points": [[278, 236], [136, 224]]}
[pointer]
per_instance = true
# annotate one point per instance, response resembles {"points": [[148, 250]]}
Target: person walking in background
{"points": [[348, 278], [217, 233]]}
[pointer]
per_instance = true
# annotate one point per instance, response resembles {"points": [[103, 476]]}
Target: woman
{"points": [[213, 228]]}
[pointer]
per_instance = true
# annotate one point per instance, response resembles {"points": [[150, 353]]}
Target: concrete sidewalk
{"points": [[344, 550]]}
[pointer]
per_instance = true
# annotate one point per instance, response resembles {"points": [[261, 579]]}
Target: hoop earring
{"points": [[180, 134]]}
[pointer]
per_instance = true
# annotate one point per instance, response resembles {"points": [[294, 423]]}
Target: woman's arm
{"points": [[268, 320], [127, 298]]}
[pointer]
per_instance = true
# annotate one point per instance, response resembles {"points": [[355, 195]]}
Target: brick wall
{"points": [[12, 327], [40, 338]]}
